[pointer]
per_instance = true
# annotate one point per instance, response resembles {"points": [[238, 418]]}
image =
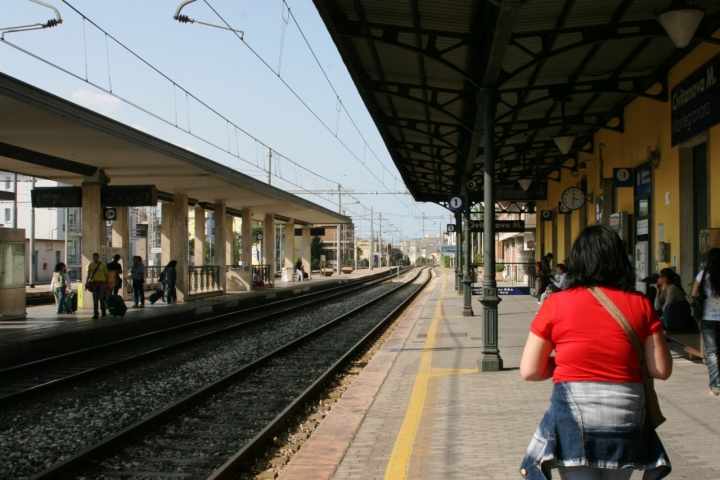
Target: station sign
{"points": [[546, 215], [11, 196], [450, 249], [456, 203], [314, 232], [643, 180], [501, 226], [622, 177], [505, 290], [514, 193], [695, 103], [130, 196], [56, 197], [451, 228]]}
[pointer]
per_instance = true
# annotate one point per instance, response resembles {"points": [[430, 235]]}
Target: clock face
{"points": [[573, 198]]}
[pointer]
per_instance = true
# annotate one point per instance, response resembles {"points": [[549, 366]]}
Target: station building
{"points": [[656, 181]]}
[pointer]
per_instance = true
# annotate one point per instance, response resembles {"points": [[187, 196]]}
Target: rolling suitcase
{"points": [[116, 306], [71, 303], [155, 296]]}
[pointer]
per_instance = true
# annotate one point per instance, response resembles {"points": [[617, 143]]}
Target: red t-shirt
{"points": [[589, 344]]}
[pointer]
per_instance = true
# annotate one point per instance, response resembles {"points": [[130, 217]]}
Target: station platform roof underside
{"points": [[558, 67], [45, 136]]}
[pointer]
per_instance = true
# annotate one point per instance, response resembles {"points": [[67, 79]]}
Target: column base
{"points": [[468, 312], [490, 363]]}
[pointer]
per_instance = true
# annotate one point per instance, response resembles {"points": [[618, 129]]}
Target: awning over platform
{"points": [[45, 136]]}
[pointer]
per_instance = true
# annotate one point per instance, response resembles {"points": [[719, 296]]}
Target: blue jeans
{"points": [[61, 295], [710, 331], [98, 294], [588, 473]]}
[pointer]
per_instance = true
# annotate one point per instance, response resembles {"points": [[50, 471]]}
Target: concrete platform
{"points": [[44, 333], [420, 409]]}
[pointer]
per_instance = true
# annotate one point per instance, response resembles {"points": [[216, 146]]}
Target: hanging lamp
{"points": [[681, 21]]}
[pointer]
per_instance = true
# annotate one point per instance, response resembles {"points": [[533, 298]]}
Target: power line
{"points": [[300, 99]]}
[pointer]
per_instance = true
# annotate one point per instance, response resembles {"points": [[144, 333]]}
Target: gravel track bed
{"points": [[40, 432], [224, 423]]}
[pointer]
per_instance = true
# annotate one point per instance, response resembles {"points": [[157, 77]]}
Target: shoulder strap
{"points": [[621, 319], [94, 272]]}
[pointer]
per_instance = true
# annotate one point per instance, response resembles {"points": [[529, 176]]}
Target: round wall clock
{"points": [[573, 198]]}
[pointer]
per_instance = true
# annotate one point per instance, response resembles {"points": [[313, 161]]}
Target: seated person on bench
{"points": [[257, 281], [557, 285]]}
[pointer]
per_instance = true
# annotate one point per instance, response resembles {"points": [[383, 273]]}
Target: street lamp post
{"points": [[490, 360]]}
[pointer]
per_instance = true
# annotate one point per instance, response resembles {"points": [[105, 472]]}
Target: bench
{"points": [[691, 340]]}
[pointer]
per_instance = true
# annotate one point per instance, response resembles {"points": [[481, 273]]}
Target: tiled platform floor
{"points": [[421, 410]]}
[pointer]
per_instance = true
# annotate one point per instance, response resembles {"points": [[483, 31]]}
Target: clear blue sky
{"points": [[215, 66]]}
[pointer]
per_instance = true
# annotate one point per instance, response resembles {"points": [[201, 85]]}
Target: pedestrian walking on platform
{"points": [[97, 284], [168, 277], [117, 271], [137, 273], [607, 338], [709, 281], [61, 287]]}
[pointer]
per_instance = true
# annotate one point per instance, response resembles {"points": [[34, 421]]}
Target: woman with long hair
{"points": [[168, 277], [709, 280], [60, 285], [597, 426]]}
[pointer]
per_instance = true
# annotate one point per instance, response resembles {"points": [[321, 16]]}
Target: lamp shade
{"points": [[525, 183], [564, 142], [681, 23], [582, 166]]}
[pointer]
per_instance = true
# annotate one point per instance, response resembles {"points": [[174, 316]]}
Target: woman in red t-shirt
{"points": [[596, 427]]}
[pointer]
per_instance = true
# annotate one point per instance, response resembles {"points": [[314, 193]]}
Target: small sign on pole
{"points": [[456, 203]]}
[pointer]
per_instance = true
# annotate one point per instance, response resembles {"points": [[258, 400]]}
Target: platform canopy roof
{"points": [[45, 136], [420, 66]]}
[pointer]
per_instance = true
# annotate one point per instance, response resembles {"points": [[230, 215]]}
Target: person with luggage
{"points": [[137, 273], [709, 281], [96, 283], [62, 288], [168, 277], [116, 268]]}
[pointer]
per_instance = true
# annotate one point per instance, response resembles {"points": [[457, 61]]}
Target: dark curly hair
{"points": [[713, 270], [599, 258]]}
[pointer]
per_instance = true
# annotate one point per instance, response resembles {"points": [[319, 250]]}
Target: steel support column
{"points": [[490, 360], [458, 251], [467, 278]]}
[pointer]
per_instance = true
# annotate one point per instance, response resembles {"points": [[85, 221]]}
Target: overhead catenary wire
{"points": [[301, 171], [327, 127]]}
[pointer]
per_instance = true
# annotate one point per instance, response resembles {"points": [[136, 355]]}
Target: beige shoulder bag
{"points": [[651, 399]]}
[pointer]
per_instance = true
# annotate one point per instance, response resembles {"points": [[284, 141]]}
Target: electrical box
{"points": [[709, 238], [663, 252]]}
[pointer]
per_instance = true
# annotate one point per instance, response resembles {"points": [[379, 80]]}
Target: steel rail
{"points": [[293, 304], [79, 461], [231, 468]]}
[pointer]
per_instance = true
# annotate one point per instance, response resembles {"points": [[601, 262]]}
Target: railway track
{"points": [[21, 381], [215, 430]]}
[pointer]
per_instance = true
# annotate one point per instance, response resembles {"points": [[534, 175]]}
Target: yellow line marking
{"points": [[400, 459]]}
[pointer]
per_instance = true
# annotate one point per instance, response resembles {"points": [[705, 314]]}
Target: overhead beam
{"points": [[44, 160]]}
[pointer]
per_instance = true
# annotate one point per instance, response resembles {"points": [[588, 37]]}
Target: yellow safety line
{"points": [[400, 459]]}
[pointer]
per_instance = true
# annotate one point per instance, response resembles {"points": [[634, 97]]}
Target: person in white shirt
{"points": [[61, 287], [559, 284]]}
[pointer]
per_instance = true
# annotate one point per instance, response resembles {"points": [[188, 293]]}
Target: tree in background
{"points": [[317, 248]]}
